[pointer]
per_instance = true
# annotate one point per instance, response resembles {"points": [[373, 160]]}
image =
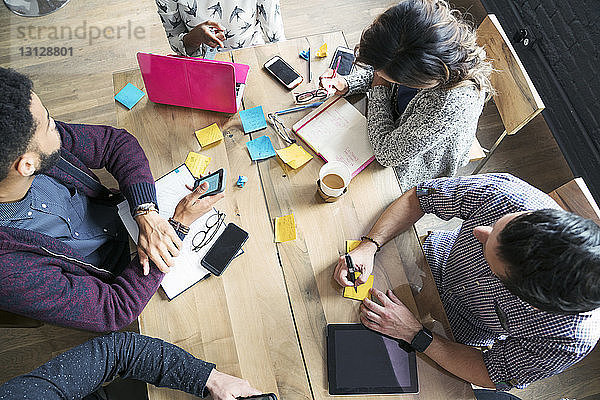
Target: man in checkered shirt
{"points": [[520, 276]]}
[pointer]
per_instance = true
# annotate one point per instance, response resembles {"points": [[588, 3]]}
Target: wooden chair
{"points": [[516, 98], [574, 196]]}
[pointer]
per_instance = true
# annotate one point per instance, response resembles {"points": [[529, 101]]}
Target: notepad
{"points": [[170, 189], [362, 291], [337, 131], [260, 148], [295, 156], [253, 119], [351, 245], [129, 95], [285, 228], [209, 135], [197, 163]]}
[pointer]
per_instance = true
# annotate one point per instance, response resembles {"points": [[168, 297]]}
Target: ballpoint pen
{"points": [[351, 271], [302, 107]]}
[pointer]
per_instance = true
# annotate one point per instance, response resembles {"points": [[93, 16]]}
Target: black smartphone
{"points": [[224, 249], [283, 72], [216, 182], [265, 396], [346, 59]]}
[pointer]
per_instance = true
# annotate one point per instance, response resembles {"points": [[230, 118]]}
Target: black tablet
{"points": [[361, 361]]}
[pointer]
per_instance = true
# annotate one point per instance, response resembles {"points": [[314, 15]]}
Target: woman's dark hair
{"points": [[421, 43], [553, 260], [16, 122]]}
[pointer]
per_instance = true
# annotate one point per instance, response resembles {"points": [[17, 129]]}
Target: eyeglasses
{"points": [[212, 224], [283, 132], [305, 97]]}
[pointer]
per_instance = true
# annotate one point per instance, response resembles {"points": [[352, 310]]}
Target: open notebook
{"points": [[337, 131], [170, 189]]}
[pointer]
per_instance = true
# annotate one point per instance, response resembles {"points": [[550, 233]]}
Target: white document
{"points": [[337, 131], [170, 189]]}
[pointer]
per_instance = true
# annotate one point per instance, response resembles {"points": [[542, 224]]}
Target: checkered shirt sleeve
{"points": [[526, 344]]}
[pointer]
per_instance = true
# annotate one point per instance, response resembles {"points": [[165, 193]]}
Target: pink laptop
{"points": [[193, 82]]}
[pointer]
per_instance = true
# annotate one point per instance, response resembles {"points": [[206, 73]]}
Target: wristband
{"points": [[370, 239], [179, 227], [144, 209]]}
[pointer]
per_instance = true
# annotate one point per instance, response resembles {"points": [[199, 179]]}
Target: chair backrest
{"points": [[574, 196], [516, 98]]}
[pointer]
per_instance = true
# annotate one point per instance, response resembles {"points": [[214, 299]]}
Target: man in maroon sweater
{"points": [[64, 255]]}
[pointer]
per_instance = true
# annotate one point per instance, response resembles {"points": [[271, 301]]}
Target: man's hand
{"points": [[210, 33], [379, 81], [191, 207], [226, 387], [392, 318], [157, 242], [362, 257], [337, 84]]}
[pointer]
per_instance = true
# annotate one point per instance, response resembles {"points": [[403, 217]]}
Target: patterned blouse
{"points": [[246, 22]]}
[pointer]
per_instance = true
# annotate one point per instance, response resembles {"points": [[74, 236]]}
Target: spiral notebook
{"points": [[337, 131]]}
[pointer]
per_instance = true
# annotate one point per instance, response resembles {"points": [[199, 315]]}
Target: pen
{"points": [[351, 276], [294, 109], [337, 65], [309, 73]]}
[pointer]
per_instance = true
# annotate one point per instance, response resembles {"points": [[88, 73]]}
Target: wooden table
{"points": [[265, 318]]}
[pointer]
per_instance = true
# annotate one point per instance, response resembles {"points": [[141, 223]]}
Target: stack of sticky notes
{"points": [[351, 245], [285, 228], [197, 163], [362, 291], [209, 135], [260, 148], [253, 119], [295, 156], [129, 96]]}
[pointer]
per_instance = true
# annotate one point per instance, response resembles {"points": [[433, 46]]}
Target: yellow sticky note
{"points": [[362, 291], [351, 245], [322, 52], [197, 163], [285, 228], [295, 156], [209, 135]]}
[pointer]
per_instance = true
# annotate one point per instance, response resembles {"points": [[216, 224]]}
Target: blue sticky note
{"points": [[129, 96], [260, 148], [253, 119]]}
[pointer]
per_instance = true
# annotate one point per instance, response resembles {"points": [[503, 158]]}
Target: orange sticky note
{"points": [[209, 135], [351, 245], [362, 291], [285, 228], [295, 156], [197, 163]]}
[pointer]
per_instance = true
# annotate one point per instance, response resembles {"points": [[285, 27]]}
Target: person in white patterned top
{"points": [[520, 278], [195, 27]]}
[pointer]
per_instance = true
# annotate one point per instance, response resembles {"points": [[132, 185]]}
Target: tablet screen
{"points": [[361, 361]]}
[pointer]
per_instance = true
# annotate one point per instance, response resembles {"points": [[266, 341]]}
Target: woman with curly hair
{"points": [[426, 80]]}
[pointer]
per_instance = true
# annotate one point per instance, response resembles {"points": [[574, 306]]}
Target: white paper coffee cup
{"points": [[334, 178]]}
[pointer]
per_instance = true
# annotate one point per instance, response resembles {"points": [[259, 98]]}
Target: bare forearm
{"points": [[397, 218], [463, 361]]}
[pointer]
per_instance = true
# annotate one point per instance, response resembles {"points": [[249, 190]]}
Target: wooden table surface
{"points": [[264, 319]]}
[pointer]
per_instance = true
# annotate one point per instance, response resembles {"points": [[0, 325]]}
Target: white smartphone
{"points": [[283, 72], [346, 60]]}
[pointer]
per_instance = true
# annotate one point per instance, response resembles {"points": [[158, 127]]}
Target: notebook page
{"points": [[338, 133]]}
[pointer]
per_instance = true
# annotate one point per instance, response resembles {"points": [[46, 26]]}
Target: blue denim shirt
{"points": [[92, 229]]}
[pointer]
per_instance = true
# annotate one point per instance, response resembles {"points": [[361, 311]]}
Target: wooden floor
{"points": [[79, 89]]}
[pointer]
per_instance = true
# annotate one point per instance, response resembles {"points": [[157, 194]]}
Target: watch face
{"points": [[422, 340]]}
